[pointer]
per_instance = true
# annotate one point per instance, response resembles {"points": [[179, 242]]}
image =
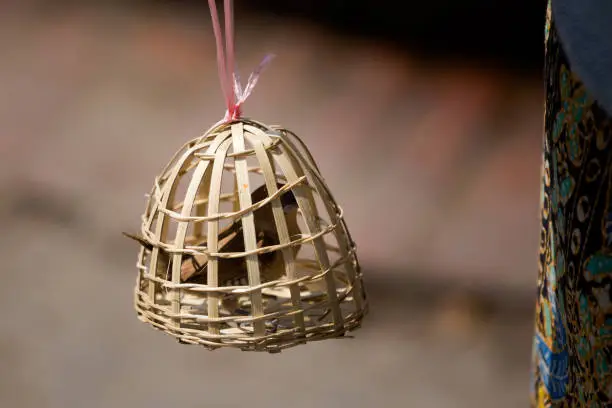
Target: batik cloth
{"points": [[572, 354]]}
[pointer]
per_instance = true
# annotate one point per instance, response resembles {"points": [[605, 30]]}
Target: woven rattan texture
{"points": [[302, 284]]}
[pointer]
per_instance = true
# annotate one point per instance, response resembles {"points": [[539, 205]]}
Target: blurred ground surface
{"points": [[436, 167]]}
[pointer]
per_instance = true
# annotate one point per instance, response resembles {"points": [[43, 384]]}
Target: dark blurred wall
{"points": [[505, 34], [508, 34]]}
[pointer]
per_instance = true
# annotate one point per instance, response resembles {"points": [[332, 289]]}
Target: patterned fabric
{"points": [[572, 353]]}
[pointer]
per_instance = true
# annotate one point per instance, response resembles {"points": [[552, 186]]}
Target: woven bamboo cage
{"points": [[207, 188]]}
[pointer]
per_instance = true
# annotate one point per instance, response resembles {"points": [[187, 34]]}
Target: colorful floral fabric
{"points": [[572, 353]]}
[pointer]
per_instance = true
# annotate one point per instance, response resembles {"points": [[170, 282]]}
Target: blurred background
{"points": [[426, 122]]}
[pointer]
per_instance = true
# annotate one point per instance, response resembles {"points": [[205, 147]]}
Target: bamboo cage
{"points": [[207, 188]]}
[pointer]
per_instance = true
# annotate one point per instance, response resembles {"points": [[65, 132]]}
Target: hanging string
{"points": [[235, 95], [228, 11], [220, 52]]}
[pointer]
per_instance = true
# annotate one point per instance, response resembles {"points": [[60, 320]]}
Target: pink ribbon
{"points": [[235, 95]]}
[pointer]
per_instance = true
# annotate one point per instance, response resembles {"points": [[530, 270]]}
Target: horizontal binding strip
{"points": [[145, 300], [221, 216], [195, 287], [229, 196], [201, 250], [311, 333], [210, 157]]}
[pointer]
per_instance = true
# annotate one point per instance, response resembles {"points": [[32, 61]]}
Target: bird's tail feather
{"points": [[140, 240]]}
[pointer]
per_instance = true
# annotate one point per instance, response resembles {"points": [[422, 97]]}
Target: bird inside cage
{"points": [[233, 271]]}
